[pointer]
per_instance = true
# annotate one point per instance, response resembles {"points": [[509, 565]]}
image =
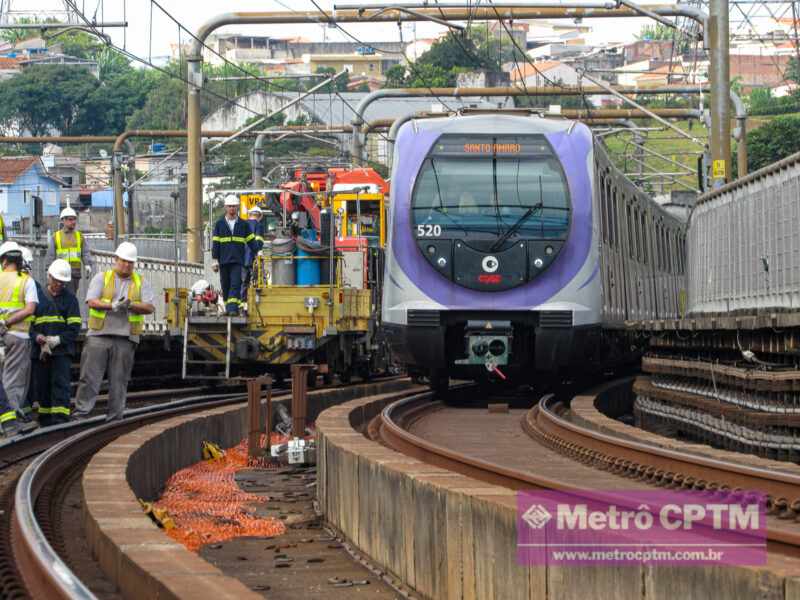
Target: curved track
{"points": [[31, 544], [549, 425]]}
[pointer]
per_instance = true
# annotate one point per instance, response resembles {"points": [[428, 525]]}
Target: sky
{"points": [[192, 13]]}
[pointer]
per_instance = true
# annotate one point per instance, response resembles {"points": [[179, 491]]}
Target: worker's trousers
{"points": [[7, 412], [50, 387], [230, 277], [16, 370], [101, 352]]}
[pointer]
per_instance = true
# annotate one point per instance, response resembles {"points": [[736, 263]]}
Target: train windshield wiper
{"points": [[515, 227]]}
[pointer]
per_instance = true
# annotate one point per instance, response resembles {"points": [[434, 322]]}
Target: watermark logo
{"points": [[536, 516], [635, 527]]}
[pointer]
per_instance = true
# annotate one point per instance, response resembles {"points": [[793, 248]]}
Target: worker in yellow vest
{"points": [[2, 229], [118, 301], [18, 300], [70, 245]]}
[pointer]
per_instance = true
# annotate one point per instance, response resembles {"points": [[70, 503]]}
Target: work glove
{"points": [[88, 269], [45, 352], [215, 266], [53, 341], [118, 305], [3, 327]]}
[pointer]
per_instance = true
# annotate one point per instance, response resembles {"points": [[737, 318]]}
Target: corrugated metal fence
{"points": [[743, 244]]}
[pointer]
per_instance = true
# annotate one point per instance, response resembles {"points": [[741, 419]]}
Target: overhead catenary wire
{"points": [[383, 50]]}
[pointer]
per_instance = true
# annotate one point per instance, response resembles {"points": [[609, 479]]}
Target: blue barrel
{"points": [[306, 268]]}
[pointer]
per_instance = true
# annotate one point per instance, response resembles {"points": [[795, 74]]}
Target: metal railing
{"points": [[743, 243]]}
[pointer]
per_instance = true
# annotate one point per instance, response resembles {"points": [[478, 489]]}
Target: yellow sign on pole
{"points": [[718, 169]]}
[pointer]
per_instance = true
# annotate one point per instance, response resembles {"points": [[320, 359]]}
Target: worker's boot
{"points": [[10, 428]]}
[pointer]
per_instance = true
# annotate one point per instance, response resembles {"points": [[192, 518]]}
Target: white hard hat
{"points": [[10, 248], [27, 255], [256, 210], [127, 251], [60, 270], [200, 286], [231, 200], [68, 212]]}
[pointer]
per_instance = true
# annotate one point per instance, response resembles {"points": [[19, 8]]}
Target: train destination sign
{"points": [[508, 145], [492, 148]]}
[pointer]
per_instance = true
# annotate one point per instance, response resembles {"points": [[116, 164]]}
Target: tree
{"points": [[658, 32], [395, 76], [447, 57], [792, 72], [164, 107], [655, 32], [340, 85], [45, 98], [773, 141]]}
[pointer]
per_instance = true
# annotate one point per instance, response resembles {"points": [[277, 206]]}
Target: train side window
{"points": [[677, 255], [659, 253], [613, 211], [643, 222], [604, 209], [668, 263], [629, 226], [667, 250]]}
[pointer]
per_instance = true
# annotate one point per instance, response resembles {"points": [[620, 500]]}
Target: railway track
{"points": [[35, 471], [550, 425], [37, 468], [37, 558]]}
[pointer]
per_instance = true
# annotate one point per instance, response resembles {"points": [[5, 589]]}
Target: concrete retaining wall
{"points": [[452, 537], [134, 554]]}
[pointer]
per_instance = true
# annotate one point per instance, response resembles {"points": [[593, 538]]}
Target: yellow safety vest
{"points": [[97, 318], [2, 229], [12, 298], [71, 254]]}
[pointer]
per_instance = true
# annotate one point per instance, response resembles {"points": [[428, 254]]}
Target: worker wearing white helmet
{"points": [[69, 244], [256, 222], [55, 329], [231, 237], [18, 300], [118, 301]]}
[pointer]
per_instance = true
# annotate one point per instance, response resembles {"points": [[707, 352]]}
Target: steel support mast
{"points": [[719, 74]]}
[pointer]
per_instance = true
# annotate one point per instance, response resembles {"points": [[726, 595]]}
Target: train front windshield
{"points": [[491, 187]]}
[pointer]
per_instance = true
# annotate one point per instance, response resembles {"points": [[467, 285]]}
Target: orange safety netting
{"points": [[207, 505]]}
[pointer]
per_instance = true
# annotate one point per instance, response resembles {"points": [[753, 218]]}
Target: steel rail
{"points": [[392, 432], [44, 572], [691, 471]]}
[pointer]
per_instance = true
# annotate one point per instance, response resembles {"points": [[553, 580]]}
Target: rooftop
{"points": [[12, 167]]}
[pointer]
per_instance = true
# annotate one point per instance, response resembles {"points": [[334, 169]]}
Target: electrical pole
{"points": [[719, 77]]}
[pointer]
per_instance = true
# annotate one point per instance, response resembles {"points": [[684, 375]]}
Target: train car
{"points": [[314, 295], [515, 250]]}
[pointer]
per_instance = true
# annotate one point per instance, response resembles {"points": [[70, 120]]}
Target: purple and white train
{"points": [[515, 249]]}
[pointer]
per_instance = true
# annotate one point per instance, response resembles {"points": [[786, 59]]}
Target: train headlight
{"points": [[548, 250], [480, 348], [442, 262], [431, 250], [538, 263], [497, 347]]}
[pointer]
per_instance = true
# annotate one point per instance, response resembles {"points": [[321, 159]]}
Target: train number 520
{"points": [[429, 230]]}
